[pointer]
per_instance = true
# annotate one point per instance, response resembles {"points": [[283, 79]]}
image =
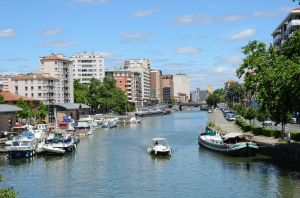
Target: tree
{"points": [[171, 101], [274, 79], [10, 103], [235, 90], [31, 111], [295, 1], [212, 100], [1, 99], [42, 111], [23, 105], [262, 113], [7, 192], [190, 100], [250, 114], [80, 92], [219, 92], [230, 105]]}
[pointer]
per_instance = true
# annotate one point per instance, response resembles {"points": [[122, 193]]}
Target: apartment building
{"points": [[228, 83], [168, 87], [130, 82], [87, 66], [286, 28], [209, 89], [181, 84], [156, 86], [61, 68], [5, 83], [142, 66], [198, 96], [38, 86]]}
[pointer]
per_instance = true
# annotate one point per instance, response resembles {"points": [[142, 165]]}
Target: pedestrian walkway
{"points": [[218, 120]]}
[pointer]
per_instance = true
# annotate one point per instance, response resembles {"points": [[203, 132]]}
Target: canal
{"points": [[114, 163]]}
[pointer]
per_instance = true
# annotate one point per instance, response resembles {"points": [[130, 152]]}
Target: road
{"points": [[288, 127]]}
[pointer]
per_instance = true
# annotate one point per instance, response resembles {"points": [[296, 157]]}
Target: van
{"points": [[292, 121]]}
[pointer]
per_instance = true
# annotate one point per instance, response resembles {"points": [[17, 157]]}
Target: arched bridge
{"points": [[201, 105]]}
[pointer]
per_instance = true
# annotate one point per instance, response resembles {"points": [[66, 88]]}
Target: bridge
{"points": [[201, 105]]}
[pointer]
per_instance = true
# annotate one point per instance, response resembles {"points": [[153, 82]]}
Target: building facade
{"points": [[167, 94], [228, 83], [209, 89], [61, 68], [168, 87], [181, 84], [286, 28], [87, 66], [198, 96], [156, 86], [142, 66], [8, 117], [5, 83], [130, 82]]}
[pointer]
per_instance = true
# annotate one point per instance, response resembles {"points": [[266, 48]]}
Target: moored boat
{"points": [[160, 147], [23, 146], [230, 144]]}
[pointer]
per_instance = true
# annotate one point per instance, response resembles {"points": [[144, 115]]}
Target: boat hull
{"points": [[160, 153], [20, 153], [59, 151], [240, 150]]}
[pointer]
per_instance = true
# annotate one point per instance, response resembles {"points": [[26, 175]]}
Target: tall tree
{"points": [[23, 105], [262, 113], [219, 92], [31, 112], [235, 90], [250, 114], [1, 99], [212, 100], [42, 111]]}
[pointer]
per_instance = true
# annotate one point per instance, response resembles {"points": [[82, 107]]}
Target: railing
{"points": [[278, 36], [293, 22]]}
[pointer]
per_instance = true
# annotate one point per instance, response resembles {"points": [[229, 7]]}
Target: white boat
{"points": [[134, 120], [58, 144], [23, 146], [159, 146], [209, 111], [83, 128]]}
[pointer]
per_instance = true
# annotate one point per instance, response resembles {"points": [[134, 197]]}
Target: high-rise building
{"points": [[228, 83], [156, 86], [209, 89], [142, 66], [168, 87], [38, 86], [130, 82], [181, 84], [59, 67], [5, 83], [286, 28], [87, 66]]}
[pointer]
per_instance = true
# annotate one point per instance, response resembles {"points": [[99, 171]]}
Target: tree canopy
{"points": [[23, 105], [250, 114], [42, 111], [212, 99], [219, 92], [1, 99], [274, 80], [235, 90]]}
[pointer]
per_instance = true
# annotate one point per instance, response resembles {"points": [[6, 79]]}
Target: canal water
{"points": [[115, 163]]}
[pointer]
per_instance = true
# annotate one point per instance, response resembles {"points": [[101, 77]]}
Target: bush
{"points": [[270, 132], [42, 122], [296, 135], [256, 130], [239, 121], [245, 127]]}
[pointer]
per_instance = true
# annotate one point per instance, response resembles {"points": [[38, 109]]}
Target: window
{"points": [[100, 70], [26, 94], [120, 86], [90, 57], [32, 95], [120, 81], [73, 74], [100, 61], [56, 62], [95, 70], [42, 70], [39, 80], [100, 65], [25, 81], [42, 63], [31, 81], [120, 77], [79, 74], [94, 65], [73, 65], [125, 81], [73, 61], [55, 68], [5, 80], [73, 70], [79, 61], [39, 87], [95, 74], [125, 77], [39, 94], [31, 88], [79, 65]]}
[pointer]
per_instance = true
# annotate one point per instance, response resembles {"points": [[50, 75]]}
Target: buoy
{"points": [[7, 155], [33, 152], [27, 155], [30, 154], [75, 146]]}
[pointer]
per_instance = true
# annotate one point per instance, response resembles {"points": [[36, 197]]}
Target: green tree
{"points": [[7, 192], [230, 105], [235, 90], [31, 111], [10, 103], [80, 92], [190, 100], [1, 99], [171, 101], [295, 1], [219, 92], [23, 105], [250, 114], [212, 100], [262, 113], [274, 80], [42, 113]]}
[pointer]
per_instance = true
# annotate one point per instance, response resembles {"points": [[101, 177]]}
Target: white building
{"points": [[38, 86], [59, 67], [5, 83], [86, 66], [142, 66], [181, 84], [286, 28]]}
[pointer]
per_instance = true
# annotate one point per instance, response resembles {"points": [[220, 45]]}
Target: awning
{"points": [[232, 135], [155, 139]]}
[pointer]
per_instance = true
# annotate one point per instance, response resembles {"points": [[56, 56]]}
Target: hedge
{"points": [[245, 127], [270, 132], [256, 130], [296, 135]]}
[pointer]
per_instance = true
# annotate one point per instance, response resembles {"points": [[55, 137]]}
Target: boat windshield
{"points": [[15, 144], [160, 143], [25, 144]]}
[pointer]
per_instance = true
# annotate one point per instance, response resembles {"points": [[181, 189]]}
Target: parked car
{"points": [[267, 122], [292, 121], [231, 118]]}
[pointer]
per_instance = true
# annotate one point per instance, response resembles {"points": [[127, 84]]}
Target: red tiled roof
{"points": [[38, 76], [15, 97], [181, 93], [54, 57], [296, 9], [232, 81]]}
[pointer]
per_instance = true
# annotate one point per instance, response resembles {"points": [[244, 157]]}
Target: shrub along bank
{"points": [[257, 130]]}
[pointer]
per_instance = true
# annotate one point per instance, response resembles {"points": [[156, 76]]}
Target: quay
{"points": [[270, 146]]}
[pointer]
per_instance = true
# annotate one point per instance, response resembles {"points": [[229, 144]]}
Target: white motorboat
{"points": [[159, 146], [58, 144], [209, 111], [83, 128], [134, 120], [23, 146]]}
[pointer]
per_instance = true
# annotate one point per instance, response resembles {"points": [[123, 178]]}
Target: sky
{"points": [[201, 39]]}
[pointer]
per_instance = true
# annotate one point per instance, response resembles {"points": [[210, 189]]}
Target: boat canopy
{"points": [[28, 135], [232, 135], [155, 139]]}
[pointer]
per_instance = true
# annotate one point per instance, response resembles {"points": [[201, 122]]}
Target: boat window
{"points": [[15, 144], [25, 144]]}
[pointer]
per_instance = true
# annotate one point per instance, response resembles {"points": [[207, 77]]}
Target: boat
{"points": [[232, 144], [23, 146], [134, 120], [160, 147], [83, 128], [209, 111], [17, 132], [108, 124], [59, 144]]}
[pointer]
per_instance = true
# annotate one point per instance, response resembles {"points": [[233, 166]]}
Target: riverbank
{"points": [[270, 146]]}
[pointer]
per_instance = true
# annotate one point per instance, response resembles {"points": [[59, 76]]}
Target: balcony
{"points": [[130, 88], [129, 83], [282, 42], [277, 37], [293, 23], [50, 84], [291, 34], [129, 96], [129, 79], [130, 92]]}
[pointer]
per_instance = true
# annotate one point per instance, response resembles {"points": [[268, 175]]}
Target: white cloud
{"points": [[142, 13], [188, 50], [217, 39], [203, 18], [232, 59], [111, 63], [56, 43], [176, 65], [243, 35], [217, 57], [27, 69], [108, 54], [51, 31], [285, 9], [15, 59], [8, 33], [137, 34], [266, 14], [91, 1], [201, 37], [158, 60], [238, 49], [223, 70]]}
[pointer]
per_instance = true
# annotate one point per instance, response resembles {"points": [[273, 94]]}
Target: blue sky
{"points": [[199, 38]]}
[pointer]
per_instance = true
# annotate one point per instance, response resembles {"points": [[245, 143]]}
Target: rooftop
{"points": [[54, 57], [38, 76], [15, 97], [71, 106], [4, 108], [232, 81]]}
